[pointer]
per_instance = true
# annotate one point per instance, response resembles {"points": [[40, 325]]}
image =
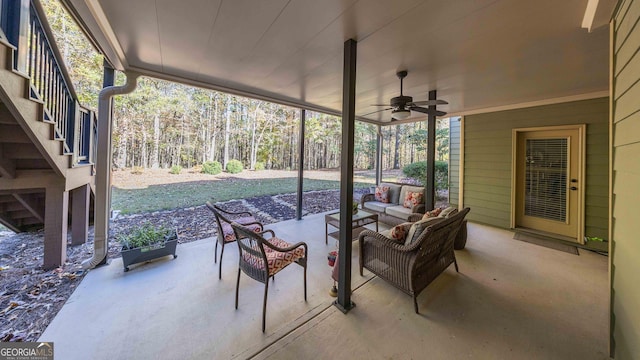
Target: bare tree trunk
{"points": [[155, 163], [122, 144], [143, 154], [226, 133], [254, 147], [396, 153], [214, 133]]}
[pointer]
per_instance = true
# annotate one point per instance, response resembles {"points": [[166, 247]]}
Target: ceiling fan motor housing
{"points": [[400, 101]]}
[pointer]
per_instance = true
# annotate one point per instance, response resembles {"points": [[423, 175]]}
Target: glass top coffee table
{"points": [[358, 221]]}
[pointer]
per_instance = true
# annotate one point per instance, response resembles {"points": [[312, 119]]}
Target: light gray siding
{"points": [[454, 161], [487, 159], [625, 255]]}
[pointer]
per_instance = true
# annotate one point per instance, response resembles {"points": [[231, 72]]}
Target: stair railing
{"points": [[37, 57]]}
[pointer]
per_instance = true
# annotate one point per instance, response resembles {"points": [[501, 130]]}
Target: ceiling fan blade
{"points": [[430, 102], [377, 111], [427, 111]]}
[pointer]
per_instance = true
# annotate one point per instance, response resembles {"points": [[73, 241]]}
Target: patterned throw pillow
{"points": [[398, 233], [432, 213], [382, 194], [412, 199]]}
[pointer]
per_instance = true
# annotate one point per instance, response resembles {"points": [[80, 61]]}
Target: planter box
{"points": [[148, 253]]}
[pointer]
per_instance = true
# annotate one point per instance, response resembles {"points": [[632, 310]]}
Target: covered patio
{"points": [[492, 58], [510, 298]]}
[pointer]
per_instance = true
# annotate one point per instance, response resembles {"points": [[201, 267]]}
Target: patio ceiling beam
{"points": [[303, 119], [344, 302], [430, 192]]}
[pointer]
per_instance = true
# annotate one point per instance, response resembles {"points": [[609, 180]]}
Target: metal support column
{"points": [[303, 118], [379, 155], [430, 187], [346, 176], [109, 75]]}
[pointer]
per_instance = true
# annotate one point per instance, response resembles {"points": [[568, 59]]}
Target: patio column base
{"points": [[344, 309]]}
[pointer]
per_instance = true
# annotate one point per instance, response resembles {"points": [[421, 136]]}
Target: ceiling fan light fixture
{"points": [[400, 114]]}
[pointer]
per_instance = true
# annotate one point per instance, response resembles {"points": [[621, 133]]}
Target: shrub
{"points": [[137, 170], [418, 171], [234, 167], [259, 166], [212, 167], [144, 235], [175, 169]]}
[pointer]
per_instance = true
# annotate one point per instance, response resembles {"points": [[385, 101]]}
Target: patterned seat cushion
{"points": [[227, 230], [276, 260]]}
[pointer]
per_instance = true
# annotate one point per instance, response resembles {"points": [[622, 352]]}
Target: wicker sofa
{"points": [[413, 265], [393, 212]]}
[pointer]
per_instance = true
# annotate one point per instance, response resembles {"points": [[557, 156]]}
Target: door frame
{"points": [[582, 151]]}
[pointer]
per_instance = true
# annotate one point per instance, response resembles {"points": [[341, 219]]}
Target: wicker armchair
{"points": [[414, 266], [261, 259], [225, 232]]}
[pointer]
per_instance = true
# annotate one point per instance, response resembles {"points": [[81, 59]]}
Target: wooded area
{"points": [[163, 124]]}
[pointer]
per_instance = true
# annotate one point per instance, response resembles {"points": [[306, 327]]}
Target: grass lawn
{"points": [[194, 193]]}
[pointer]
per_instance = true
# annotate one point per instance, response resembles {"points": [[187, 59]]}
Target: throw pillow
{"points": [[382, 194], [418, 227], [448, 212], [399, 232], [412, 199], [432, 213]]}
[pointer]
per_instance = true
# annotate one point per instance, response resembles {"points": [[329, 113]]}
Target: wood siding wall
{"points": [[454, 161], [625, 256], [487, 159]]}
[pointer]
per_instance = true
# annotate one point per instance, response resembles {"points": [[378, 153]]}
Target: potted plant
{"points": [[147, 242]]}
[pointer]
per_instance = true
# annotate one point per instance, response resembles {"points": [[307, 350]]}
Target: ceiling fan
{"points": [[402, 106]]}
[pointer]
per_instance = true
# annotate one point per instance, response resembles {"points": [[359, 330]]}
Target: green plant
{"points": [[418, 171], [143, 235], [175, 169], [234, 167], [212, 167], [258, 166], [594, 238]]}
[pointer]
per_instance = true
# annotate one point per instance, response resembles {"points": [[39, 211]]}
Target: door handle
{"points": [[573, 188]]}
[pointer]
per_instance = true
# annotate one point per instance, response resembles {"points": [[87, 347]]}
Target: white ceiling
{"points": [[477, 54]]}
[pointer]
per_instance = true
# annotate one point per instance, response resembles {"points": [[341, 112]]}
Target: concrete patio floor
{"points": [[510, 300]]}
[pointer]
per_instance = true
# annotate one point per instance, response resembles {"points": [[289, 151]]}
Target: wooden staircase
{"points": [[46, 137]]}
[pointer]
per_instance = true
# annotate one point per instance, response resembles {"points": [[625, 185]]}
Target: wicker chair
{"points": [[414, 266], [261, 259], [225, 232]]}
